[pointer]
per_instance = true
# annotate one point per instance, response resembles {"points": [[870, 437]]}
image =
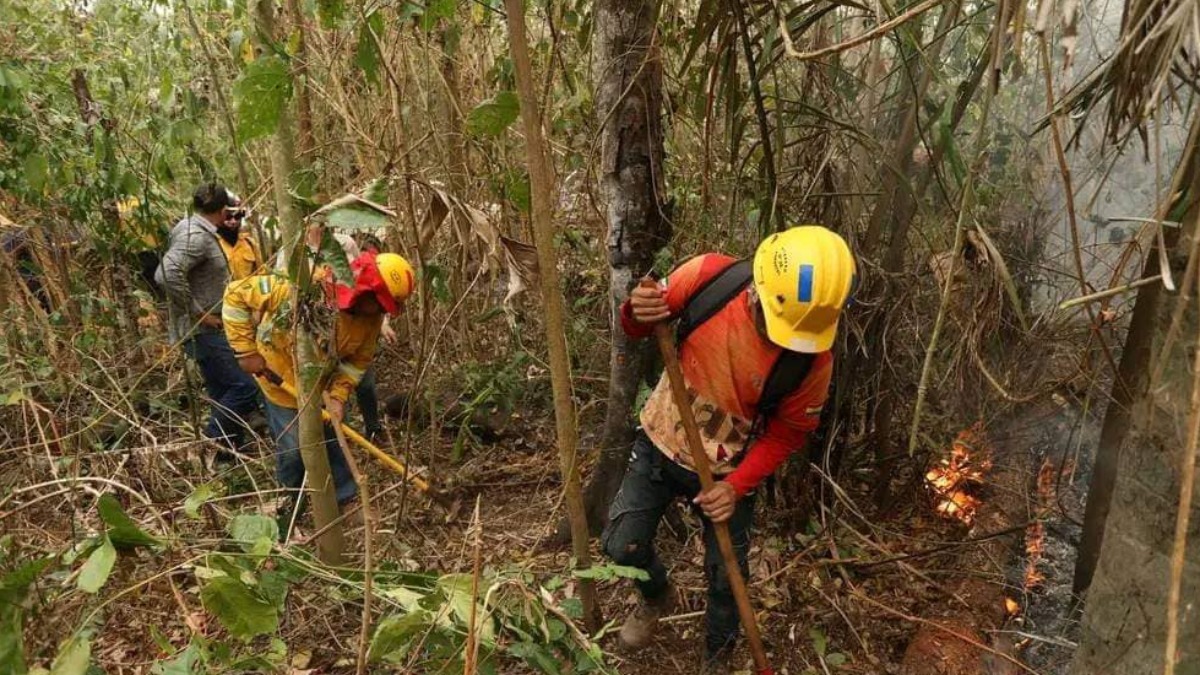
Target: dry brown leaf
{"points": [[522, 264]]}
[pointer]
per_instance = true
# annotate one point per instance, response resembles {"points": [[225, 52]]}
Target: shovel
{"points": [[666, 344], [371, 449]]}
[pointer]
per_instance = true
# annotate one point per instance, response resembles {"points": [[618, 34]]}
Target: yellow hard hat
{"points": [[397, 275], [803, 277]]}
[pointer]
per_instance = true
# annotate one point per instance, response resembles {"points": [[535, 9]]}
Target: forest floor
{"points": [[843, 592]]}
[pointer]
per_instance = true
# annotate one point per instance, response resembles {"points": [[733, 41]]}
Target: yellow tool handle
{"points": [[373, 450]]}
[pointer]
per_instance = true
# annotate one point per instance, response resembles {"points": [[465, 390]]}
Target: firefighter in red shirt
{"points": [[754, 339]]}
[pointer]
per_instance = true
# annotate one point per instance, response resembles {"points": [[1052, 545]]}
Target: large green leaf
{"points": [[260, 95], [122, 531], [493, 116], [610, 572], [74, 657], [351, 218], [37, 171], [202, 494], [366, 53], [13, 588], [97, 567], [239, 609], [250, 530], [334, 255], [186, 662], [434, 11], [331, 12], [394, 636]]}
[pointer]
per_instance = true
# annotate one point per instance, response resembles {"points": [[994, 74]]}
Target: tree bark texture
{"points": [[1124, 624], [542, 191], [627, 77]]}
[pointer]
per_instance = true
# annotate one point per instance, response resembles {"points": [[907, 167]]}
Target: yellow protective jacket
{"points": [[243, 258], [249, 312]]}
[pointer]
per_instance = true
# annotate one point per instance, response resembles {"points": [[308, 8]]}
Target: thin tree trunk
{"points": [[542, 189], [318, 479], [627, 78]]}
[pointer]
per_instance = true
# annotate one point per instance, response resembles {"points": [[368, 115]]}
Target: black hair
{"points": [[211, 198]]}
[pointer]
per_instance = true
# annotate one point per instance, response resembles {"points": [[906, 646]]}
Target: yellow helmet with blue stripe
{"points": [[803, 277]]}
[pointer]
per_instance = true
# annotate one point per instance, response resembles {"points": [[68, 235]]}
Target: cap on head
{"points": [[211, 198], [803, 277]]}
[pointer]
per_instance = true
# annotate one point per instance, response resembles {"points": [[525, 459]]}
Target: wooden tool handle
{"points": [[741, 595]]}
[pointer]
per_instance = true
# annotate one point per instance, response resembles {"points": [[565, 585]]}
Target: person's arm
{"points": [[675, 290], [787, 431], [245, 303], [350, 370]]}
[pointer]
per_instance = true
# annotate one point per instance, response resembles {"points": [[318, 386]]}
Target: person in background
{"points": [[207, 250], [265, 348]]}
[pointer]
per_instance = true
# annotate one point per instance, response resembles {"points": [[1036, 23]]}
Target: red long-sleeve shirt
{"points": [[725, 363]]}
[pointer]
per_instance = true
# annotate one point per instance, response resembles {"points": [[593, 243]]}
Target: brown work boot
{"points": [[638, 630]]}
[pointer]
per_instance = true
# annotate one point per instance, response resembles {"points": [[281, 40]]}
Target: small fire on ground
{"points": [[956, 479], [1035, 534]]}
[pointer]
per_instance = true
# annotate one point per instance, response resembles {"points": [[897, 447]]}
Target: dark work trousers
{"points": [[368, 402], [233, 392], [652, 482]]}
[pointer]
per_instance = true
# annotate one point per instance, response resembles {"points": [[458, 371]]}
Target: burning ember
{"points": [[960, 474], [1035, 534], [1012, 607]]}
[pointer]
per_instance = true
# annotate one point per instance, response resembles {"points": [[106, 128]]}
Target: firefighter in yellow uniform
{"points": [[261, 339]]}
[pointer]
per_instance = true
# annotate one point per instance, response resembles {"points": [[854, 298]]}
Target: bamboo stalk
{"points": [[1109, 292]]}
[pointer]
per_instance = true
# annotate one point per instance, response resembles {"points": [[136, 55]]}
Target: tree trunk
{"points": [[318, 478], [1124, 626], [542, 189], [627, 76]]}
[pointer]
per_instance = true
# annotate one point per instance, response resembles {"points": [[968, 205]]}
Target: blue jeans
{"points": [[652, 482], [233, 392], [368, 402], [289, 467]]}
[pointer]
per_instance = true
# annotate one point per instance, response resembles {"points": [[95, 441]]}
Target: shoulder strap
{"points": [[787, 374], [711, 297]]}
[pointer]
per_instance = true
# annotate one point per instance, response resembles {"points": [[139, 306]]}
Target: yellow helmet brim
{"points": [[782, 333]]}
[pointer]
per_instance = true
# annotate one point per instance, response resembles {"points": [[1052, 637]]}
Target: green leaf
{"points": [[249, 529], [185, 662], [97, 567], [239, 609], [394, 636], [259, 96], [122, 531], [74, 657], [37, 171], [331, 12], [334, 255], [435, 10], [516, 187], [366, 53], [819, 641], [537, 656], [493, 116], [610, 572], [13, 588], [200, 496], [352, 218], [836, 659]]}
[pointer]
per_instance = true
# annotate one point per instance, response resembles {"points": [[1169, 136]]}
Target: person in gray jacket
{"points": [[206, 251]]}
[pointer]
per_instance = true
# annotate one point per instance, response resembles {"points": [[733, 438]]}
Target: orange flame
{"points": [[1035, 534], [955, 477], [1012, 607]]}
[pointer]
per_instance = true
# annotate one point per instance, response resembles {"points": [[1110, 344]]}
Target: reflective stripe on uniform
{"points": [[350, 370]]}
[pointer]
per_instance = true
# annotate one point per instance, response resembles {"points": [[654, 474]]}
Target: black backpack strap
{"points": [[711, 297], [789, 371]]}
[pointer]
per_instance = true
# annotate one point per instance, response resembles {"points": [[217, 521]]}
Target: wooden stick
{"points": [[666, 344], [1109, 292]]}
